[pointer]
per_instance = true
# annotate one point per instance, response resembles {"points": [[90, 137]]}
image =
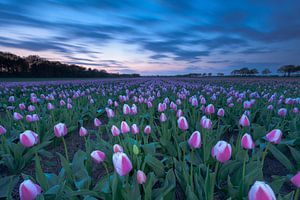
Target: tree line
{"points": [[12, 65], [287, 70]]}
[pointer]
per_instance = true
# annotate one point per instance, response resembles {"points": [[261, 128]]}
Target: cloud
{"points": [[186, 33]]}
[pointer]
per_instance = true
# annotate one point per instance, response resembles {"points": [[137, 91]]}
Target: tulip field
{"points": [[150, 138]]}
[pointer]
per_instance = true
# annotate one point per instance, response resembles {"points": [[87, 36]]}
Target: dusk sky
{"points": [[155, 36]]}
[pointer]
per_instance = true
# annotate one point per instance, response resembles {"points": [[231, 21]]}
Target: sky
{"points": [[155, 37]]}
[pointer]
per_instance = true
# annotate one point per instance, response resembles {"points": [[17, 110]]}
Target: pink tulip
{"points": [[296, 180], [274, 136], [2, 130], [29, 118], [182, 123], [50, 106], [62, 103], [179, 113], [270, 107], [11, 99], [110, 113], [126, 109], [163, 117], [133, 109], [195, 140], [115, 131], [261, 191], [31, 108], [60, 130], [202, 101], [244, 121], [210, 109], [134, 129], [221, 151], [122, 163], [194, 102], [29, 190], [206, 123], [17, 116], [147, 129], [282, 112], [22, 106], [35, 118], [161, 107], [98, 156], [124, 127], [247, 142], [83, 131], [69, 106], [141, 177], [221, 112], [97, 122], [247, 105], [29, 138], [117, 148]]}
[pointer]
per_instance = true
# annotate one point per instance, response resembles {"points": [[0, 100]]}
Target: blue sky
{"points": [[155, 37]]}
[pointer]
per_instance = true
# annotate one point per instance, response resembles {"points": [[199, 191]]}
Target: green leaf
{"points": [[40, 176], [155, 164], [281, 158]]}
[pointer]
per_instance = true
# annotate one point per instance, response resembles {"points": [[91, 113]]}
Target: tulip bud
{"points": [[179, 113], [134, 129], [22, 106], [29, 138], [163, 117], [122, 163], [244, 121], [126, 109], [221, 151], [282, 112], [135, 150], [147, 129], [2, 130], [274, 136], [98, 156], [195, 140], [296, 180], [97, 122], [261, 191], [205, 123], [124, 127], [29, 190], [31, 108], [50, 106], [182, 123], [117, 148], [270, 107], [247, 142], [17, 116], [115, 131], [221, 112], [60, 130], [141, 177], [83, 131], [210, 109], [247, 104]]}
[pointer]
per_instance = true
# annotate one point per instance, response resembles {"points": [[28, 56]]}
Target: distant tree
{"points": [[288, 69], [209, 74], [266, 71], [253, 71], [220, 74], [204, 74]]}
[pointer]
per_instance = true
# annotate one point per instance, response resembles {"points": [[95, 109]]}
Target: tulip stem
{"points": [[192, 170], [297, 194], [66, 150], [244, 171], [265, 154], [105, 166]]}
